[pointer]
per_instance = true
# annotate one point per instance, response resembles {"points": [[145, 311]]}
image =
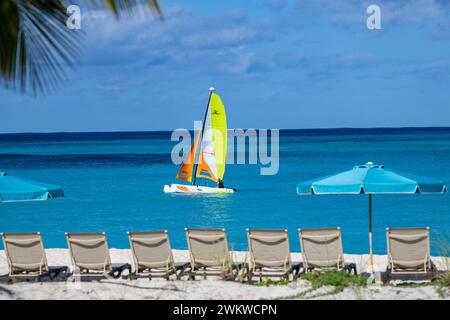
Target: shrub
{"points": [[270, 282], [338, 279]]}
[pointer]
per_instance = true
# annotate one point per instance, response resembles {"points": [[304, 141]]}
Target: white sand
{"points": [[213, 288]]}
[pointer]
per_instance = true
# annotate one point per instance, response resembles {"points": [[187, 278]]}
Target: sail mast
{"points": [[203, 132]]}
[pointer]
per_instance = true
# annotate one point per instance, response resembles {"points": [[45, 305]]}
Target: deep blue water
{"points": [[113, 182]]}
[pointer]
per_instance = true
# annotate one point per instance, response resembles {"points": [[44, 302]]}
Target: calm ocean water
{"points": [[113, 183]]}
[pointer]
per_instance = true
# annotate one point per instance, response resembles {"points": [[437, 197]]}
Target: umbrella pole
{"points": [[370, 233]]}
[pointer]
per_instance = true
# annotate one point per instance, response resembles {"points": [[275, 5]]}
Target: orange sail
{"points": [[203, 169], [187, 168]]}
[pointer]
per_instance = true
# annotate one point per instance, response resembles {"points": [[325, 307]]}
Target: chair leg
{"points": [[191, 274], [249, 276], [296, 270], [179, 273], [351, 267], [181, 270]]}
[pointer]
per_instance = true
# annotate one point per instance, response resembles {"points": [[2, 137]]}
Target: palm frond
{"points": [[36, 45], [46, 45], [129, 6], [9, 37]]}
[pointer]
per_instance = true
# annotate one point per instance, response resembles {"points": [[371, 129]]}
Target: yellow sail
{"points": [[214, 144], [219, 124]]}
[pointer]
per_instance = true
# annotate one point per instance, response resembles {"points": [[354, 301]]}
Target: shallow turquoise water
{"points": [[113, 183]]}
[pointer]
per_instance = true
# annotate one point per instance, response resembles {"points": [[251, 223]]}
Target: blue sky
{"points": [[276, 64]]}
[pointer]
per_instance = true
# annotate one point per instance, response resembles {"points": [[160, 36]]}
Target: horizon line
{"points": [[281, 129]]}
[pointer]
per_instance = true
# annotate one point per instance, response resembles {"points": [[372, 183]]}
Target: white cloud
{"points": [[393, 12], [276, 5], [202, 44], [240, 62], [183, 40]]}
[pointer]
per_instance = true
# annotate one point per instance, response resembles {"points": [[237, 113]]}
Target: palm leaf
{"points": [[129, 6], [36, 45]]}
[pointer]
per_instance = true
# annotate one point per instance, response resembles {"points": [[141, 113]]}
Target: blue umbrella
{"points": [[14, 189], [371, 179]]}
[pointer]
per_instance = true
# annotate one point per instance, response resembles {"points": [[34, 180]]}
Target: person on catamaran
{"points": [[220, 184]]}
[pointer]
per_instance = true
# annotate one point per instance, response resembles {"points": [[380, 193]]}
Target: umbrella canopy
{"points": [[14, 189], [371, 179]]}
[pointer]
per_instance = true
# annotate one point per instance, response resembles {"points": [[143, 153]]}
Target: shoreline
{"points": [[201, 289]]}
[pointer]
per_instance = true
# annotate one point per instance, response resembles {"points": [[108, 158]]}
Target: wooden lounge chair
{"points": [[270, 254], [409, 251], [322, 250], [90, 255], [152, 255], [26, 256], [209, 254]]}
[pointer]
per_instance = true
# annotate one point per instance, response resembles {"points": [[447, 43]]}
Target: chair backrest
{"points": [[89, 250], [408, 247], [269, 248], [25, 251], [208, 247], [150, 249], [321, 248]]}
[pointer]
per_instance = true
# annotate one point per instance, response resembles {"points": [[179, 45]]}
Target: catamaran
{"points": [[207, 157]]}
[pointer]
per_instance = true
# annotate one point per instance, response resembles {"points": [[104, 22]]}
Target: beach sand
{"points": [[212, 288]]}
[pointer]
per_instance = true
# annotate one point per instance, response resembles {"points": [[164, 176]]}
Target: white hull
{"points": [[183, 188]]}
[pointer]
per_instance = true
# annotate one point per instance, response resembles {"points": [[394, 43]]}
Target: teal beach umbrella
{"points": [[371, 179], [14, 189]]}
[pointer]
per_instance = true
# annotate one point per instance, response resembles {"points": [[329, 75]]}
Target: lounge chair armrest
{"points": [[351, 267], [118, 268], [182, 266], [180, 269], [56, 271], [296, 267], [240, 265]]}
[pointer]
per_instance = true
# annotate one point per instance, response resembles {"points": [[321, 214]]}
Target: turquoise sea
{"points": [[113, 182]]}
